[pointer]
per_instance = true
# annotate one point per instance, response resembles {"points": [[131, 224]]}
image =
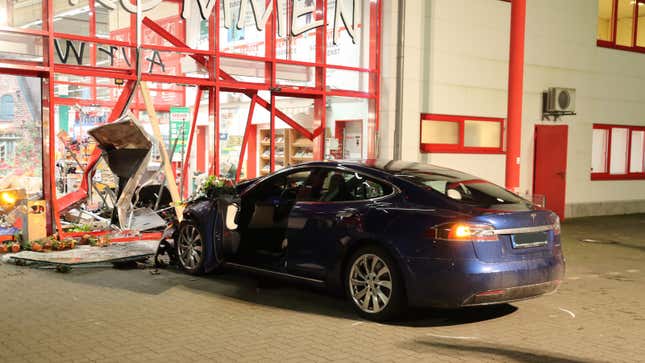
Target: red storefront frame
{"points": [[217, 81]]}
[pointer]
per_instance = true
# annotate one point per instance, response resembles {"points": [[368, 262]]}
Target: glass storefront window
{"points": [[72, 18], [21, 134], [348, 80], [348, 33], [262, 51], [24, 14], [166, 15], [113, 23], [238, 33], [21, 47]]}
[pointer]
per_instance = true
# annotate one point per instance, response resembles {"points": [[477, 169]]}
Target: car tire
{"points": [[373, 284], [189, 247]]}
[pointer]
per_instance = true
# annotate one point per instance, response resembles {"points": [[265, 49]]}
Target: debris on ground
{"points": [[115, 253]]}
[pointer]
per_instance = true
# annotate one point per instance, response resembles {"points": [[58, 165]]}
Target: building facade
{"points": [[241, 88], [456, 63]]}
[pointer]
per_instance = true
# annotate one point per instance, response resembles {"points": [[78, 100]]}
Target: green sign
{"points": [[179, 130]]}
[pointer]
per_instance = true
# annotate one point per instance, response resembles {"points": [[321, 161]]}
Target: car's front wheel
{"points": [[190, 248], [374, 285]]}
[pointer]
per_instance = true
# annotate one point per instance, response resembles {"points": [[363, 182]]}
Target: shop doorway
{"points": [[349, 134], [550, 165]]}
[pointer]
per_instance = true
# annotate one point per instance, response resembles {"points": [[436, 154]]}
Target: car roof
{"points": [[393, 167]]}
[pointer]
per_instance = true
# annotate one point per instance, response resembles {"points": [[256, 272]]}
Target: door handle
{"points": [[344, 214]]}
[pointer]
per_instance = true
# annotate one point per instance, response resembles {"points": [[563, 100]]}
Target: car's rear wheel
{"points": [[374, 285], [190, 249]]}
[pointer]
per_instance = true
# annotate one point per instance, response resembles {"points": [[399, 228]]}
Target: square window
{"points": [[439, 132], [482, 133], [461, 134]]}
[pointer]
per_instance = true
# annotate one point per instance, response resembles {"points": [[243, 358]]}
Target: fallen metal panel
{"points": [[126, 147], [144, 219], [89, 255]]}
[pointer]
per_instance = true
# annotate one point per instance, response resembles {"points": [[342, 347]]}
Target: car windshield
{"points": [[467, 190]]}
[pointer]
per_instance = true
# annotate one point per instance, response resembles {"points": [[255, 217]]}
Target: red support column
{"points": [[320, 109], [251, 152], [247, 134], [515, 93], [184, 171]]}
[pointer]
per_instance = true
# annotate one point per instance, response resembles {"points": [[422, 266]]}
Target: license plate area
{"points": [[528, 240]]}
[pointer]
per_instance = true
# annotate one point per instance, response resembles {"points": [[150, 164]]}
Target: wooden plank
{"points": [[170, 176]]}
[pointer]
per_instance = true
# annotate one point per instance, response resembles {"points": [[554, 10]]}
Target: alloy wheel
{"points": [[370, 283], [190, 247]]}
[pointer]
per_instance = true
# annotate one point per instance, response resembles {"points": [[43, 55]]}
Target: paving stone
{"points": [[106, 315]]}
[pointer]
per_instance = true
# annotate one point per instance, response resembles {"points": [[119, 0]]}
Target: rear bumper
{"points": [[511, 294], [457, 283]]}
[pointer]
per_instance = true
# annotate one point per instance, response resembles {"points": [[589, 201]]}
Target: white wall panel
{"points": [[456, 58]]}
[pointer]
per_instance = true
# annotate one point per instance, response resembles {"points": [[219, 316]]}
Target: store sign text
{"points": [[112, 52], [299, 10]]}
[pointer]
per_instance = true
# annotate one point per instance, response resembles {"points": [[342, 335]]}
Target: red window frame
{"points": [[606, 175], [459, 147], [614, 26]]}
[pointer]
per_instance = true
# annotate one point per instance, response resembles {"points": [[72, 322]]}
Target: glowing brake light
{"points": [[556, 226], [465, 232]]}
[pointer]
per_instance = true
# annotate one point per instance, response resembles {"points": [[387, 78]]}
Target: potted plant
{"points": [[214, 187], [15, 247], [36, 246], [93, 241], [85, 240], [4, 247], [70, 243]]}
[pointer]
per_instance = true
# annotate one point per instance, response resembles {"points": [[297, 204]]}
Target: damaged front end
{"points": [[215, 217]]}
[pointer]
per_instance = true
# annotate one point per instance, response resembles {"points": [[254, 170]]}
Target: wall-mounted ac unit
{"points": [[561, 100]]}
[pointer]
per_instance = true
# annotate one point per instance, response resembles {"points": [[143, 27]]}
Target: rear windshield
{"points": [[472, 191]]}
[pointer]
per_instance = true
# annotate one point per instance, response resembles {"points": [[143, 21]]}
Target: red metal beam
{"points": [[225, 76], [515, 84], [184, 170], [245, 140], [173, 39]]}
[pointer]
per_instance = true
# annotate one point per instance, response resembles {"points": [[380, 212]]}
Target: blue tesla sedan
{"points": [[390, 234]]}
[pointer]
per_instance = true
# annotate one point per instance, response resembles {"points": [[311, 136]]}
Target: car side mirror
{"points": [[453, 194], [231, 213]]}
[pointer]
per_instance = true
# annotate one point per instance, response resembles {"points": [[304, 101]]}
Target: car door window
{"points": [[340, 186], [312, 189]]}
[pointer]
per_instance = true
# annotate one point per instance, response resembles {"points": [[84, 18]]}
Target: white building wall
{"points": [[462, 68]]}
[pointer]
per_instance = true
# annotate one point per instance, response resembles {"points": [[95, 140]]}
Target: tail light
{"points": [[462, 231], [556, 226]]}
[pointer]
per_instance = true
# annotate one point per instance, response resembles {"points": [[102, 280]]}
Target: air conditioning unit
{"points": [[561, 100]]}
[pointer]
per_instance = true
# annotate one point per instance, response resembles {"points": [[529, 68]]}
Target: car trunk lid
{"points": [[527, 234]]}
